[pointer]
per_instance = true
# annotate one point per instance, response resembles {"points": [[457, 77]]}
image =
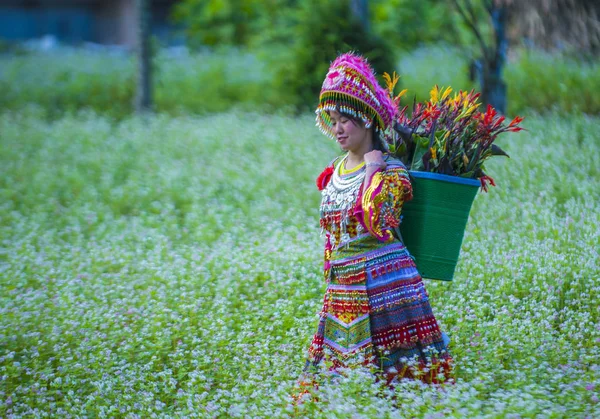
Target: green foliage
{"points": [[297, 38], [217, 22], [536, 81], [464, 35], [404, 24], [407, 24], [66, 81], [210, 82], [227, 22], [70, 80], [541, 81], [171, 267], [322, 30], [8, 47], [425, 67]]}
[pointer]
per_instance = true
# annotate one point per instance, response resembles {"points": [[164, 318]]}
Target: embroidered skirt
{"points": [[376, 311]]}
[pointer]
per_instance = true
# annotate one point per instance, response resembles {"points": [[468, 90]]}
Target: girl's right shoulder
{"points": [[326, 174]]}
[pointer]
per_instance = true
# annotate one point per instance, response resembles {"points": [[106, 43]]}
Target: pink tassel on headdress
{"points": [[360, 64]]}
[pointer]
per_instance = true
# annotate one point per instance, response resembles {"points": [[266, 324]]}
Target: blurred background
{"points": [[203, 56]]}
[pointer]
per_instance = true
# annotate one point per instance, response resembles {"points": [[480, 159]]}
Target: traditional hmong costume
{"points": [[376, 309]]}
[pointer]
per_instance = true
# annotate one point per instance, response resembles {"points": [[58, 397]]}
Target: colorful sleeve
{"points": [[378, 209]]}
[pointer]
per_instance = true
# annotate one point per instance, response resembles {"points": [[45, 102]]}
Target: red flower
{"points": [[484, 180], [324, 177], [515, 121]]}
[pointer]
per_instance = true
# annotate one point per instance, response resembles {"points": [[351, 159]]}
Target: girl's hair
{"points": [[378, 143]]}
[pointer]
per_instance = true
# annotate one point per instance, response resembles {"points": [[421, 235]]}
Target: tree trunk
{"points": [[143, 97], [493, 88], [360, 10], [493, 92]]}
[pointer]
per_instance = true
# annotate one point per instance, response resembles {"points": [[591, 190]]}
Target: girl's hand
{"points": [[373, 159]]}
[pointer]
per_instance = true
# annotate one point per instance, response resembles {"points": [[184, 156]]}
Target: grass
{"points": [[535, 81], [169, 266], [69, 80]]}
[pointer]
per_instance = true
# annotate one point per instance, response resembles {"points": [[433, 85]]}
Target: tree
{"points": [[488, 69], [549, 24], [360, 10], [143, 97], [557, 24], [409, 24], [321, 30], [228, 22]]}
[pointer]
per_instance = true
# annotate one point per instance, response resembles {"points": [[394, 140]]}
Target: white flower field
{"points": [[170, 266]]}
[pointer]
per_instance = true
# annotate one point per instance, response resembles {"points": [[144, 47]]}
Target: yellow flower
{"points": [[391, 82], [459, 98], [433, 153], [434, 94], [402, 93], [446, 92], [467, 110], [471, 109]]}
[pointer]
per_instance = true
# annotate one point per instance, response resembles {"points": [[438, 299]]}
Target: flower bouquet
{"points": [[444, 144]]}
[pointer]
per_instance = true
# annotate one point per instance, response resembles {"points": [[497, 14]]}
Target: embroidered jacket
{"points": [[355, 224]]}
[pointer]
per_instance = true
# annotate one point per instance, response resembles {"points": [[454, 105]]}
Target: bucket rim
{"points": [[445, 178]]}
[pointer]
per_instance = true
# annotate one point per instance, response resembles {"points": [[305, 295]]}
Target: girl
{"points": [[376, 310]]}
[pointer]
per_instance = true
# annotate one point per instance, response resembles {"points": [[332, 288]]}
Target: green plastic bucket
{"points": [[434, 221]]}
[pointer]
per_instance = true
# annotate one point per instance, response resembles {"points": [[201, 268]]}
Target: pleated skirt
{"points": [[376, 313]]}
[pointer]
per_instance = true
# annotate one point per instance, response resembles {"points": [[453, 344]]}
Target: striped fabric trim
{"points": [[348, 325]]}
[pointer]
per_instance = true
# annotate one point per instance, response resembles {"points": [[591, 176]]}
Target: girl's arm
{"points": [[380, 201]]}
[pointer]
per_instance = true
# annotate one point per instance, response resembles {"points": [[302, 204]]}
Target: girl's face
{"points": [[350, 135]]}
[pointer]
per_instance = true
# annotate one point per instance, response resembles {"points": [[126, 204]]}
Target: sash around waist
{"points": [[395, 250], [378, 262]]}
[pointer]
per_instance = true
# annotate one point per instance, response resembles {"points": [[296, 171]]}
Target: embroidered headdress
{"points": [[351, 87]]}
